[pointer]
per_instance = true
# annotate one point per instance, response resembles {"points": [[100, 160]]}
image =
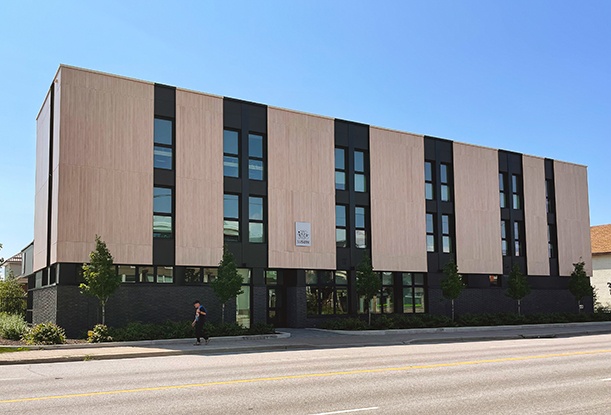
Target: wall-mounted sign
{"points": [[302, 234]]}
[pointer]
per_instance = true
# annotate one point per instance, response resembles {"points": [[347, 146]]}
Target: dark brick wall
{"points": [[259, 304], [296, 307], [493, 300], [142, 303], [44, 305]]}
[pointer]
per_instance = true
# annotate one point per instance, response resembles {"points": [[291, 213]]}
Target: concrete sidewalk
{"points": [[295, 339]]}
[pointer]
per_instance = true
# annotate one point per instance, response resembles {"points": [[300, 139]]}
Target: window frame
{"points": [[232, 155], [165, 145], [331, 284], [161, 214], [226, 237], [261, 221], [343, 170], [261, 159]]}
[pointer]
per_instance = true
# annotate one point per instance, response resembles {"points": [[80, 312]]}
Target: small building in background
{"points": [[601, 262]]}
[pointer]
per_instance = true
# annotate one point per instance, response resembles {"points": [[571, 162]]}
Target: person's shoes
{"points": [[197, 343], [207, 341]]}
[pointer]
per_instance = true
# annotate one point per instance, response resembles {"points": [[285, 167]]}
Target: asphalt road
{"points": [[536, 376]]}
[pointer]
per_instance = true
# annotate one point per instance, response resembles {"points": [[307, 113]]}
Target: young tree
{"points": [[453, 284], [228, 284], [368, 283], [517, 286], [101, 279], [12, 296], [579, 284]]}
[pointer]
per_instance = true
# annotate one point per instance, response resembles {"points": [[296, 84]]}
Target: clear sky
{"points": [[526, 76]]}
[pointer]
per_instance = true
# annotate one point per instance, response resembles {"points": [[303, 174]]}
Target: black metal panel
{"points": [[553, 267], [551, 218], [232, 114], [232, 185], [163, 177], [343, 258], [236, 249], [165, 101], [257, 120], [342, 197], [163, 251], [507, 265], [257, 187], [478, 281], [551, 282], [50, 173], [359, 136], [341, 133], [255, 255], [361, 199], [429, 148], [431, 206], [432, 259]]}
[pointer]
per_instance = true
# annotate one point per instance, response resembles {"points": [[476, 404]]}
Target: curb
{"points": [[160, 342], [463, 329]]}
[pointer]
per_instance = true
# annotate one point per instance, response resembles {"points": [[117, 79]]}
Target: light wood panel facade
{"points": [[199, 179], [41, 198], [535, 215], [398, 211], [477, 210], [301, 188], [105, 169], [572, 217]]}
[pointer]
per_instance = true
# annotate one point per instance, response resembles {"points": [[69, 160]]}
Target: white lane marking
{"points": [[347, 410], [606, 379]]}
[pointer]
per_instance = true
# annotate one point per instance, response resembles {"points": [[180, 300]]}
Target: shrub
{"points": [[12, 326], [100, 333], [180, 330], [382, 322], [44, 333]]}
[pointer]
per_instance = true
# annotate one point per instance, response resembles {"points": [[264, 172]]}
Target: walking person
{"points": [[198, 323]]}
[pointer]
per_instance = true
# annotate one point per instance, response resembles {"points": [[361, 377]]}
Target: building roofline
{"points": [[276, 108]]}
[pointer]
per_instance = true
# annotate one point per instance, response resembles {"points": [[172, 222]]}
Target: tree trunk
{"points": [[223, 313], [519, 310], [452, 309], [578, 306], [104, 313]]}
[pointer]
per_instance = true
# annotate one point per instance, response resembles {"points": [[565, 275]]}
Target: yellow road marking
{"points": [[312, 375]]}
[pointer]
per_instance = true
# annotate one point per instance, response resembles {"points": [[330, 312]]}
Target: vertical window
{"points": [[504, 245], [165, 275], [517, 236], [551, 240], [326, 292], [549, 196], [430, 232], [383, 302], [231, 152], [127, 273], [515, 190], [413, 292], [341, 225], [445, 234], [502, 190], [445, 183], [163, 139], [428, 181], [256, 162], [495, 280], [360, 237], [243, 309], [147, 274], [193, 274], [231, 217], [162, 212], [256, 231], [360, 179], [340, 169]]}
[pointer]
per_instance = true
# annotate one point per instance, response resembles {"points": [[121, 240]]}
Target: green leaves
{"points": [[453, 284], [229, 282], [101, 279], [368, 282], [517, 284], [579, 284]]}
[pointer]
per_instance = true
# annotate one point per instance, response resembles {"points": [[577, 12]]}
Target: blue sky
{"points": [[526, 76]]}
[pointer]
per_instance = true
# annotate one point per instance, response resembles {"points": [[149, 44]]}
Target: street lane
{"points": [[453, 378]]}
